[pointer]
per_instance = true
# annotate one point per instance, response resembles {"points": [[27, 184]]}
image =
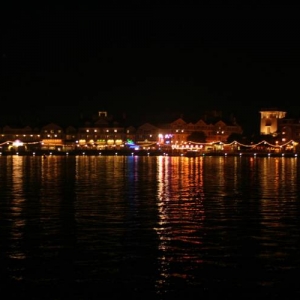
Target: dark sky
{"points": [[149, 57]]}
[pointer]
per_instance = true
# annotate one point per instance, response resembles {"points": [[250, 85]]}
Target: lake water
{"points": [[155, 227]]}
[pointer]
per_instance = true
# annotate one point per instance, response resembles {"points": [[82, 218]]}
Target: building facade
{"points": [[270, 120], [105, 133]]}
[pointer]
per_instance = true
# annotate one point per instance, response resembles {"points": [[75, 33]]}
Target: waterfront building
{"points": [[101, 136], [147, 136], [270, 120], [23, 138], [52, 137], [218, 131]]}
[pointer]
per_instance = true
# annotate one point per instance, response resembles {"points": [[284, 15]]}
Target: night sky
{"points": [[149, 58]]}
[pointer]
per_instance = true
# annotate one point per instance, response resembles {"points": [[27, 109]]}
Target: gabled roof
{"points": [[178, 122], [200, 123], [52, 126], [147, 125], [220, 123]]}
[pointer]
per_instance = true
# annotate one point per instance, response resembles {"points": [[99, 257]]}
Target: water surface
{"points": [[90, 227]]}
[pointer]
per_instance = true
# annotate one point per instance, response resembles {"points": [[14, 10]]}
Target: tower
{"points": [[269, 120]]}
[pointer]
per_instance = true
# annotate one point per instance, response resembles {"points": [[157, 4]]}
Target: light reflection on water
{"points": [[161, 226]]}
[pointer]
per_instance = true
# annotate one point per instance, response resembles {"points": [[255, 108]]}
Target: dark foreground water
{"points": [[149, 227]]}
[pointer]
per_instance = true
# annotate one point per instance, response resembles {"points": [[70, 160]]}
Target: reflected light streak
{"points": [[180, 209], [17, 207]]}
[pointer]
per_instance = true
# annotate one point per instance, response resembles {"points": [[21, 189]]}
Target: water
{"points": [[90, 227]]}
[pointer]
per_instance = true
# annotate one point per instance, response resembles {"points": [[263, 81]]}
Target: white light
{"points": [[17, 143]]}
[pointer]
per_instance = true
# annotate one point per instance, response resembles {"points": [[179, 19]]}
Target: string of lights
{"points": [[264, 142], [18, 143], [234, 143]]}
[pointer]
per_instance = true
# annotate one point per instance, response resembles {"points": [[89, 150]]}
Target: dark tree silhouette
{"points": [[198, 137]]}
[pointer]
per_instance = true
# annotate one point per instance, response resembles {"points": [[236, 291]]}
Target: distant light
{"points": [[18, 143]]}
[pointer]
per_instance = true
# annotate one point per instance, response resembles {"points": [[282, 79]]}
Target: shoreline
{"points": [[46, 153]]}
